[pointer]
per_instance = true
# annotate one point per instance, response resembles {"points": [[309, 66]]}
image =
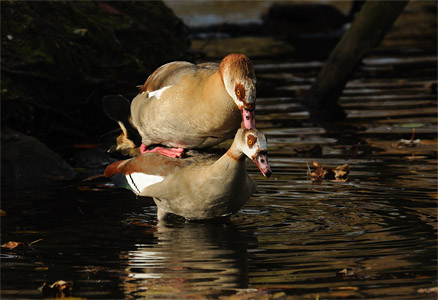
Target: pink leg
{"points": [[172, 152], [143, 148]]}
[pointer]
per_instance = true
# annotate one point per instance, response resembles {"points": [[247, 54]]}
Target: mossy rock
{"points": [[59, 59]]}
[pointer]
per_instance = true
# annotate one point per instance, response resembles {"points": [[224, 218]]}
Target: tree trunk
{"points": [[368, 29]]}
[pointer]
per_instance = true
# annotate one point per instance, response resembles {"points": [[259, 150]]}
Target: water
{"points": [[371, 237], [293, 237], [213, 12]]}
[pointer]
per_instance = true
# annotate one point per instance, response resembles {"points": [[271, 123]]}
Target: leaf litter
{"points": [[403, 144], [19, 246], [338, 174], [59, 289]]}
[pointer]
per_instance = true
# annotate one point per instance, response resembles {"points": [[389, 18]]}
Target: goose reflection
{"points": [[189, 259]]}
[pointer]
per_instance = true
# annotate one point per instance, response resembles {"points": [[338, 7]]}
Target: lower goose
{"points": [[197, 188]]}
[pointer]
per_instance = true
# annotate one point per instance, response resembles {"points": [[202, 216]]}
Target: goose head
{"points": [[237, 73], [253, 144]]}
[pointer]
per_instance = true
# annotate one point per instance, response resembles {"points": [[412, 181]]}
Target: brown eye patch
{"points": [[240, 92], [251, 140]]}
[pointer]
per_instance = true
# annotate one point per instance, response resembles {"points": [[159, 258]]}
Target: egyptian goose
{"points": [[183, 105], [197, 187]]}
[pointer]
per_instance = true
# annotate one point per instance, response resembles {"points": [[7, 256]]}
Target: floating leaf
{"points": [[11, 245], [317, 174], [19, 246], [339, 174], [58, 289], [401, 144], [345, 273]]}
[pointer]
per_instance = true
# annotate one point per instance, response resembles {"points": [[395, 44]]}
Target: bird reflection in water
{"points": [[208, 259]]}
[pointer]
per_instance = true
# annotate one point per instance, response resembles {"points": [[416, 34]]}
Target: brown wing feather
{"points": [[113, 168], [169, 74], [149, 163], [209, 65], [166, 75]]}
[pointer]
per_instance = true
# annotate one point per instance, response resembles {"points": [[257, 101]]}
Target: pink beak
{"points": [[248, 117], [262, 163]]}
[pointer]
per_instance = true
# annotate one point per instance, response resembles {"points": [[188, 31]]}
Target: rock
{"points": [[26, 161], [57, 66]]}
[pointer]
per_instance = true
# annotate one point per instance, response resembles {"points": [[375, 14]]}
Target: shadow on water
{"points": [[373, 236]]}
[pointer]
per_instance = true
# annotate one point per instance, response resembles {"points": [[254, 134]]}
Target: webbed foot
{"points": [[170, 152]]}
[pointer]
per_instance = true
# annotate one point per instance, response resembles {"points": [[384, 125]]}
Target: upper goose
{"points": [[183, 105], [197, 188]]}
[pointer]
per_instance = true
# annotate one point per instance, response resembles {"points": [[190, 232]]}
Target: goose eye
{"points": [[240, 92], [251, 140]]}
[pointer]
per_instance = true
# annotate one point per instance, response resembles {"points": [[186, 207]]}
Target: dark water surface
{"points": [[373, 236]]}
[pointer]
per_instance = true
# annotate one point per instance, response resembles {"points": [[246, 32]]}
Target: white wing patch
{"points": [[140, 181], [157, 93]]}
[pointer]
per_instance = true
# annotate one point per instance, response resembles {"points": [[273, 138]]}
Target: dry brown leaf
{"points": [[345, 273], [19, 246], [317, 174], [11, 245], [339, 174], [402, 143], [58, 289]]}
